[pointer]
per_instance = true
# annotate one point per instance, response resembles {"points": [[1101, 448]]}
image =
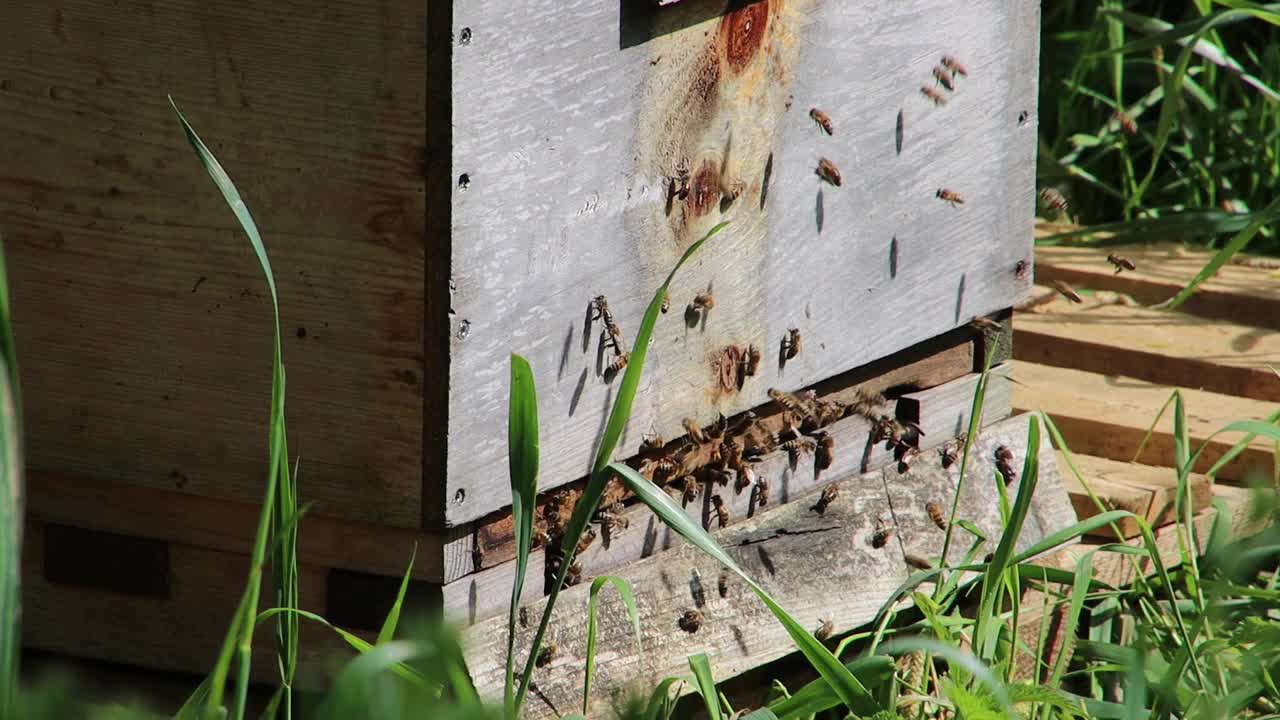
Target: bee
{"points": [[824, 631], [694, 430], [951, 196], [1054, 200], [826, 452], [950, 452], [792, 344], [943, 76], [718, 428], [691, 621], [540, 536], [613, 519], [1121, 262], [719, 477], [689, 488], [1126, 123], [906, 454], [938, 98], [1004, 464], [678, 186], [545, 654], [731, 453], [935, 514], [722, 512], [1067, 292], [477, 555], [703, 301], [866, 402], [761, 492], [666, 303], [950, 63], [665, 465], [742, 424], [619, 362], [787, 401], [652, 443], [524, 616], [742, 483], [1021, 268], [828, 172], [584, 542], [722, 584], [798, 446], [574, 575], [828, 496], [882, 535], [822, 119], [917, 562], [751, 361]]}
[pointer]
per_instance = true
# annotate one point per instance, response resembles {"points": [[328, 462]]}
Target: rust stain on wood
{"points": [[742, 33]]}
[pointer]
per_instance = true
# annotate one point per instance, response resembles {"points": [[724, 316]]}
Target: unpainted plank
{"points": [[1170, 348], [1108, 416], [550, 214], [138, 299], [1237, 294], [817, 566], [928, 364], [227, 525], [644, 535], [1148, 492]]}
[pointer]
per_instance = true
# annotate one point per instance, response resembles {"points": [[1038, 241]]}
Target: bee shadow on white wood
{"points": [[819, 211], [960, 298], [893, 257]]}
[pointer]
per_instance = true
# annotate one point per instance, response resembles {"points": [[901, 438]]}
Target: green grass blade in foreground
{"points": [[975, 426], [955, 657], [1236, 244], [706, 685], [617, 422], [818, 695], [522, 460], [629, 601], [763, 713], [11, 506], [388, 630], [660, 705], [851, 692], [276, 443]]}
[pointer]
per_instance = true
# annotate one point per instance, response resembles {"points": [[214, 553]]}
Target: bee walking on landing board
{"points": [[828, 172], [951, 196]]}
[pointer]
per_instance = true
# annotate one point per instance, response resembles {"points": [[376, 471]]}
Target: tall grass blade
{"points": [[392, 620], [1236, 244], [11, 505], [522, 459], [975, 426], [851, 692], [706, 685], [660, 704], [874, 671], [956, 658], [629, 601]]}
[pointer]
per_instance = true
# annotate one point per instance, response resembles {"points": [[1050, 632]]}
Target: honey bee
{"points": [[742, 483], [652, 443], [826, 452], [938, 98], [866, 403], [731, 453], [917, 562], [613, 519], [950, 63], [1067, 291], [703, 301], [1126, 123], [787, 401], [619, 362], [792, 344], [828, 496], [1121, 262], [665, 465], [751, 361], [824, 631], [1054, 200], [906, 454], [828, 172], [822, 119], [574, 575], [689, 488], [678, 186], [540, 536], [943, 76], [798, 446], [935, 514], [694, 430], [1021, 268], [719, 477], [1004, 464], [666, 302], [691, 621], [986, 325], [545, 654], [722, 512], [888, 430], [761, 492], [950, 452], [718, 428], [588, 537], [882, 535], [722, 584], [951, 196]]}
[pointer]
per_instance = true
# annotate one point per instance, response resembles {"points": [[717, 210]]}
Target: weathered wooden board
{"points": [[1237, 294], [817, 566], [1146, 491], [1108, 416], [1170, 348], [144, 318], [563, 136]]}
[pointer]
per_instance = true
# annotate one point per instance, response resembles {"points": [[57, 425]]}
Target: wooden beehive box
{"points": [[442, 184]]}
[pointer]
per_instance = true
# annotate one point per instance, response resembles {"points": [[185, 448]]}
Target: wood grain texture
{"points": [[928, 364], [566, 141], [1148, 492], [1170, 348], [1237, 294], [144, 318], [1108, 416], [467, 601], [818, 567]]}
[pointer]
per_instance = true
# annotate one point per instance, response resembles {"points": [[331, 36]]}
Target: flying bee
{"points": [[1126, 123], [792, 344], [1121, 262], [588, 537], [824, 631], [703, 301], [828, 496], [761, 492], [917, 562], [1054, 200], [1067, 291], [985, 324], [722, 512], [691, 621], [1021, 268], [822, 119], [952, 64], [619, 362], [828, 172], [950, 452], [545, 654], [935, 514], [694, 430], [751, 360], [943, 76], [882, 535], [950, 196], [938, 98]]}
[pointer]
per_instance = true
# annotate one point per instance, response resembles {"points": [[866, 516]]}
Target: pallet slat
{"points": [[1146, 491]]}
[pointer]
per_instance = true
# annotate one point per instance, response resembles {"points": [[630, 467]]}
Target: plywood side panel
{"points": [[144, 320], [566, 134]]}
